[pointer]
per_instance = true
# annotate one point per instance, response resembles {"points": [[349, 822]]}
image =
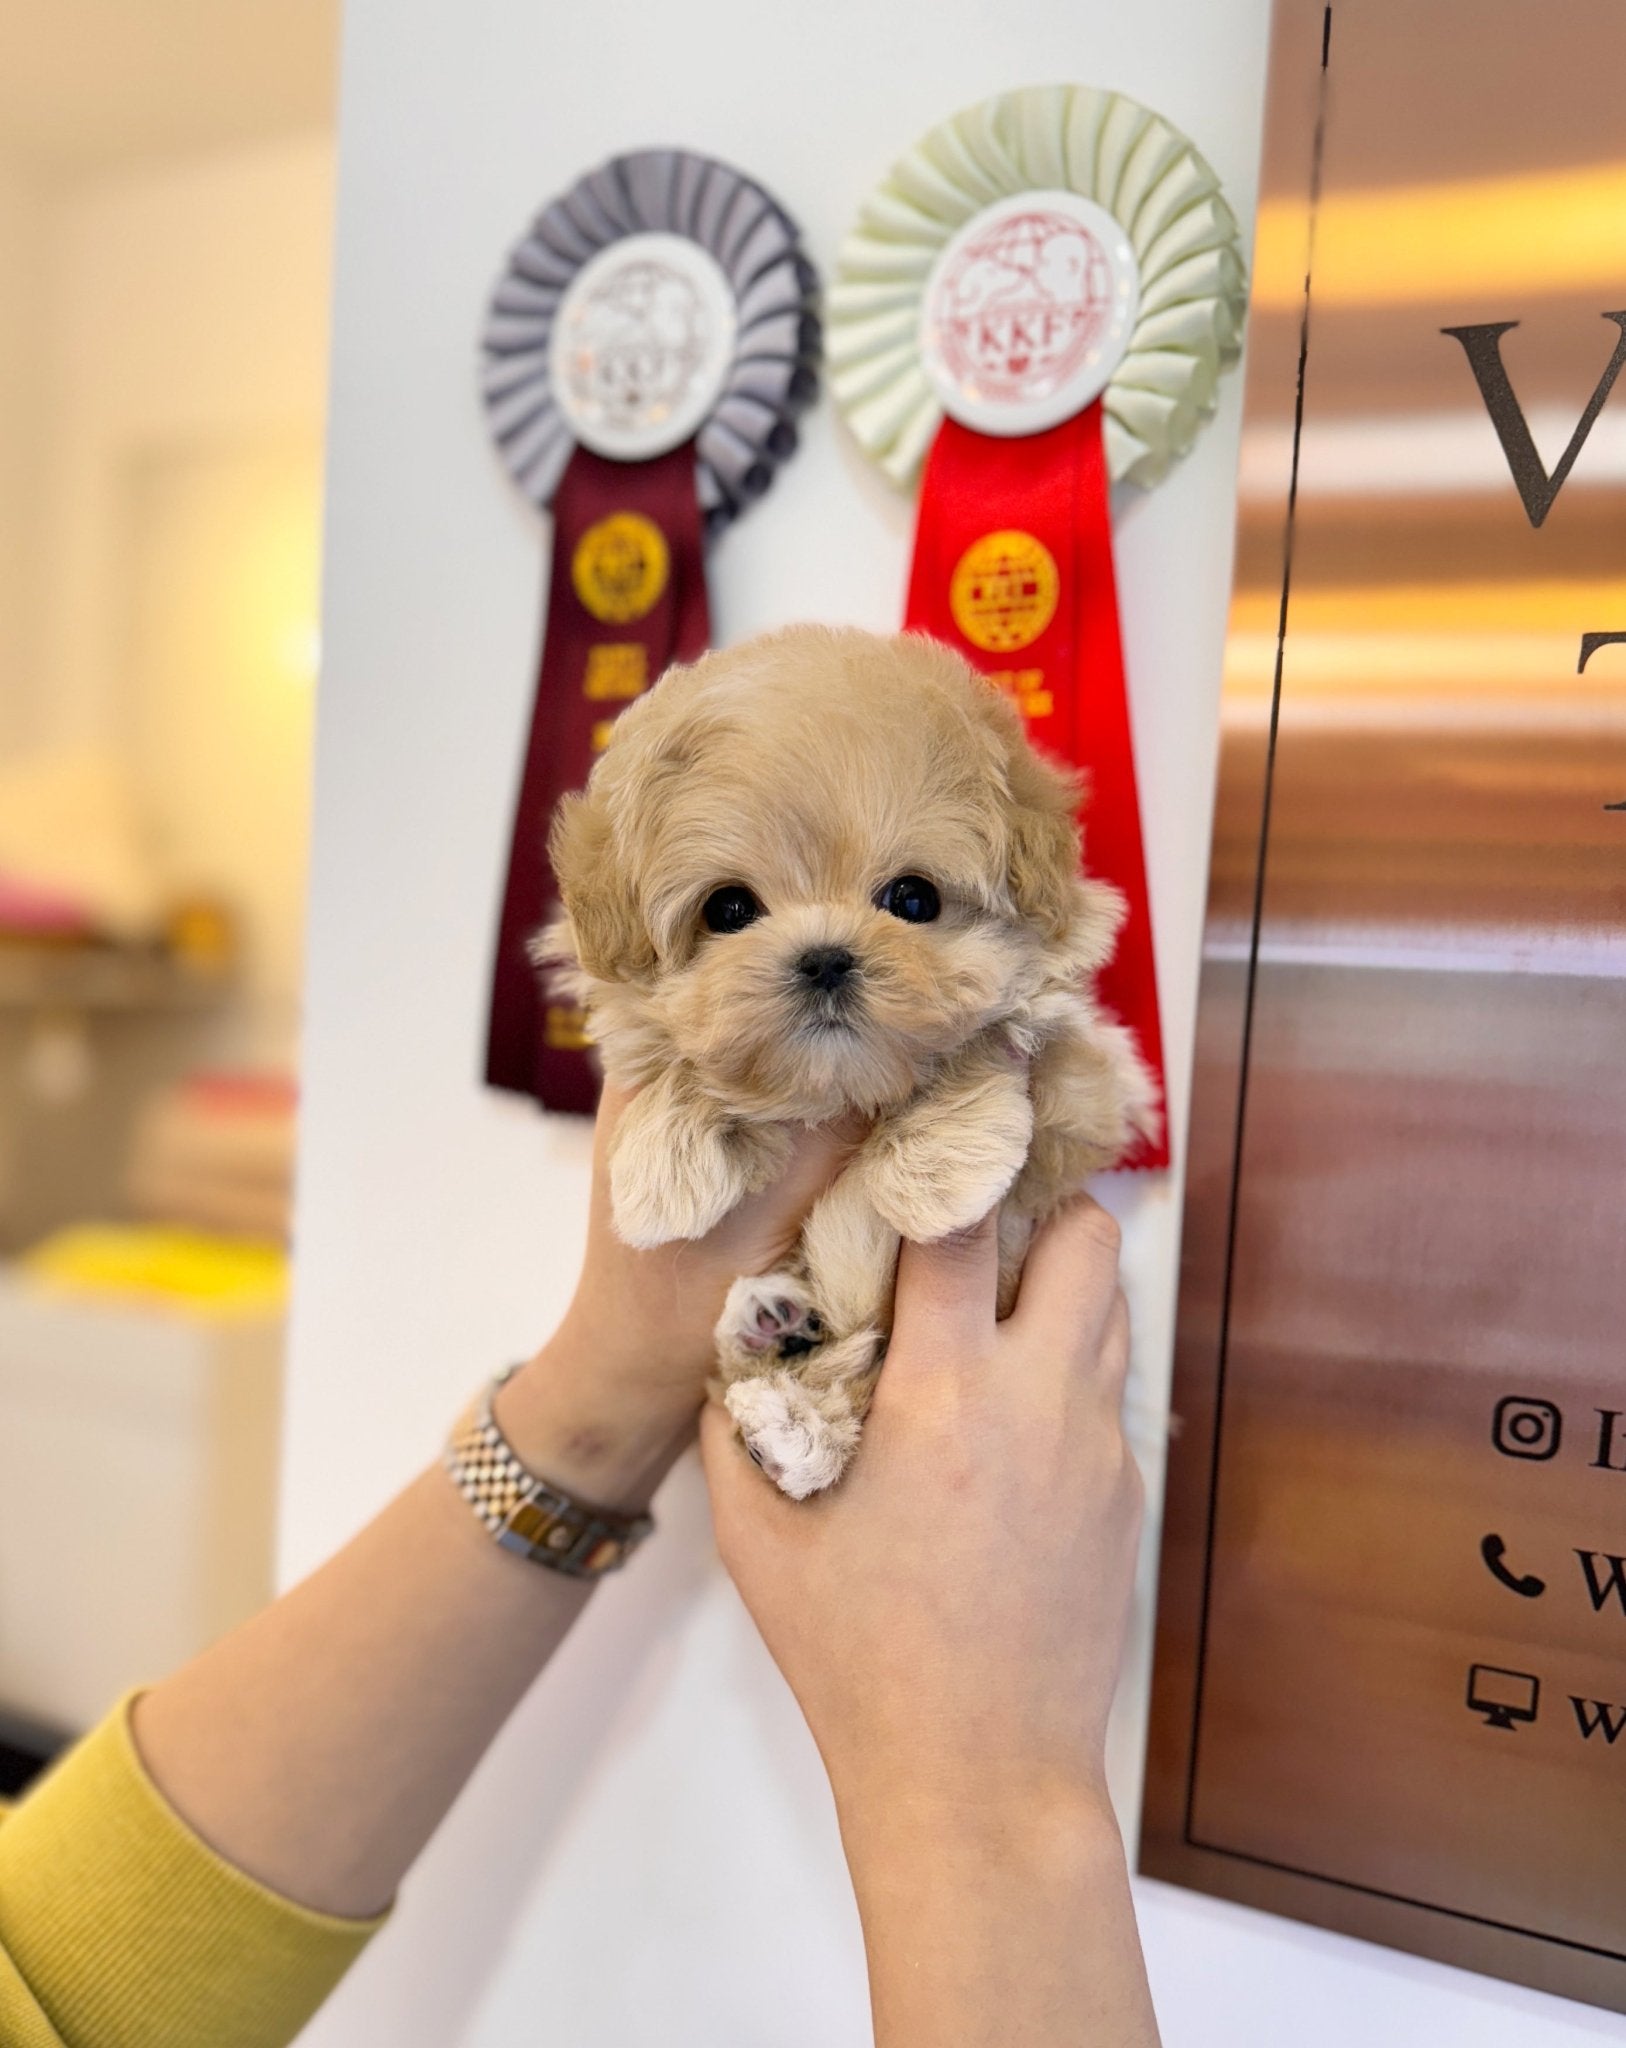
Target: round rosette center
{"points": [[1028, 311], [642, 344]]}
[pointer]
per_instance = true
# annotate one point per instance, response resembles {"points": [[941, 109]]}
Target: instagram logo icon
{"points": [[1526, 1428]]}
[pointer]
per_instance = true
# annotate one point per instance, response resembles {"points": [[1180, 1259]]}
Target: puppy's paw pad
{"points": [[772, 1316], [800, 1449]]}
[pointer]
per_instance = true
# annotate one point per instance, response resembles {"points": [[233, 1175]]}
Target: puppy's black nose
{"points": [[825, 967]]}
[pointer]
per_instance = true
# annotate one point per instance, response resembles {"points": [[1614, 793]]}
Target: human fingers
{"points": [[742, 1499], [817, 1155], [612, 1101], [1112, 1356], [758, 1233], [612, 1105], [1070, 1279], [944, 1306]]}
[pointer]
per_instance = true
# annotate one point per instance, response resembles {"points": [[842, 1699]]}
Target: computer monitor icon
{"points": [[1504, 1697]]}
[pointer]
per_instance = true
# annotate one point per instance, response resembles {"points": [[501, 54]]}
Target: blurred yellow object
{"points": [[202, 934], [187, 1269]]}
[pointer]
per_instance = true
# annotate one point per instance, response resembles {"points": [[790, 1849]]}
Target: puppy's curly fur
{"points": [[811, 768]]}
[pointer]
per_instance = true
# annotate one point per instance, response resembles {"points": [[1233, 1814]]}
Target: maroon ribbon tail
{"points": [[602, 646]]}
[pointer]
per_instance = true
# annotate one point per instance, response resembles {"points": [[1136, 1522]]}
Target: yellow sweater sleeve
{"points": [[120, 1928]]}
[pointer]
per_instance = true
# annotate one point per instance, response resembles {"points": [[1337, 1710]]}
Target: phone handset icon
{"points": [[1493, 1550]]}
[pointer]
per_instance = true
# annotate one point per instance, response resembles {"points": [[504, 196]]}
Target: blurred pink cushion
{"points": [[26, 907]]}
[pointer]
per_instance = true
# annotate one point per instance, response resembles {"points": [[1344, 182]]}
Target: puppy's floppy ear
{"points": [[1044, 840], [612, 940], [1041, 819]]}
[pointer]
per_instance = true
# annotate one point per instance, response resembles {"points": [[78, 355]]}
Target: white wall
{"points": [[650, 1856]]}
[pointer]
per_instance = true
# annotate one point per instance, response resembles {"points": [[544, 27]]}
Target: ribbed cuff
{"points": [[22, 2024], [132, 1933]]}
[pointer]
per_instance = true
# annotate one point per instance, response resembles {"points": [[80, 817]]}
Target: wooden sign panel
{"points": [[1390, 1694]]}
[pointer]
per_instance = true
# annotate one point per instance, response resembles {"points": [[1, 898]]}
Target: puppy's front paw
{"points": [[803, 1445], [929, 1176], [670, 1181], [771, 1316], [676, 1168]]}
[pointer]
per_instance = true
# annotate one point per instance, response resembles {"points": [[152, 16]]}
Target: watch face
{"points": [[1028, 311], [642, 345]]}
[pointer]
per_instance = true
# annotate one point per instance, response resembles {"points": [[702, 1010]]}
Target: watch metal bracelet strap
{"points": [[526, 1514]]}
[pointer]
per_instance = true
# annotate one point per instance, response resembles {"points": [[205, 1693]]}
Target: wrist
{"points": [[990, 1919], [1046, 1829], [593, 1424]]}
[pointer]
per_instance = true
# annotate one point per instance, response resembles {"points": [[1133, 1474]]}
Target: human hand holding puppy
{"points": [[951, 1622], [824, 873], [894, 932], [612, 1396], [950, 1619]]}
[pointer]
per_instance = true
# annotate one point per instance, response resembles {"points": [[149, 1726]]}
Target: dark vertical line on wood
{"points": [[1316, 152]]}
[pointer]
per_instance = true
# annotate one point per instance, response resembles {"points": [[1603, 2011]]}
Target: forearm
{"points": [[1005, 1928], [319, 1746]]}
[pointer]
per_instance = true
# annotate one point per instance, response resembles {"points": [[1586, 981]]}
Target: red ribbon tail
{"points": [[1013, 569], [1114, 845]]}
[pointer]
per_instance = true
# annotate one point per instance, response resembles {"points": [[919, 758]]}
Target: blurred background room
{"points": [[166, 172]]}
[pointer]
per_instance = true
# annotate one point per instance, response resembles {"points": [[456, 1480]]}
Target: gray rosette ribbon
{"points": [[772, 375]]}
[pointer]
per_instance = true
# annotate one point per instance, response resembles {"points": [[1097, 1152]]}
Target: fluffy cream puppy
{"points": [[825, 872]]}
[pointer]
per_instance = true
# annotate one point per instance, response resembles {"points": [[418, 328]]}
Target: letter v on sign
{"points": [[1483, 347]]}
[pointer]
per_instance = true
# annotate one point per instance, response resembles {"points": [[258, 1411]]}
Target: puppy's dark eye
{"points": [[912, 898], [730, 909]]}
